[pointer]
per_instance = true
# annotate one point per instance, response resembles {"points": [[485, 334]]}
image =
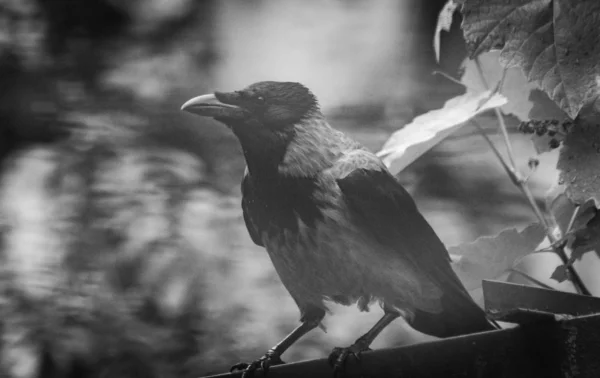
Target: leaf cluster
{"points": [[551, 50]]}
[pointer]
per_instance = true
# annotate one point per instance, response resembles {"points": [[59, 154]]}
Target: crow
{"points": [[337, 225]]}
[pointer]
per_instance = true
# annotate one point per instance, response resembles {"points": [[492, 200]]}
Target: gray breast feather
{"points": [[334, 261]]}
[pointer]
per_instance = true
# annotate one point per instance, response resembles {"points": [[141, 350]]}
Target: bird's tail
{"points": [[460, 315]]}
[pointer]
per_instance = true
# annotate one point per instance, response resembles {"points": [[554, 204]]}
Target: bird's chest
{"points": [[304, 230], [280, 205], [320, 262]]}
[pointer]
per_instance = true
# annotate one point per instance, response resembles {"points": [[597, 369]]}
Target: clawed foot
{"points": [[337, 358], [271, 358]]}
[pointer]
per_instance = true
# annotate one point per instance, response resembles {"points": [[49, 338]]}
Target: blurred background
{"points": [[123, 245]]}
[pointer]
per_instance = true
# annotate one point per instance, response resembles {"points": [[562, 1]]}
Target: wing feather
{"points": [[386, 211], [248, 199]]}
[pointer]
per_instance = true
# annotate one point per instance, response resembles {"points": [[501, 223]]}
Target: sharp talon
{"points": [[338, 372], [358, 354], [249, 372], [264, 363], [238, 366], [333, 356], [340, 363], [337, 358]]}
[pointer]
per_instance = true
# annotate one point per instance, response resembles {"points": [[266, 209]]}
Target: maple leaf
{"points": [[579, 162], [427, 130], [587, 239], [515, 86], [560, 274], [564, 214], [444, 22], [555, 42], [490, 256], [579, 225]]}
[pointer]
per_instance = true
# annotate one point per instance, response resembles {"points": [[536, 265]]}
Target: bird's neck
{"points": [[263, 149], [315, 146], [300, 150]]}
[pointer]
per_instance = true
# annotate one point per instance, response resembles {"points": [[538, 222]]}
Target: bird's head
{"points": [[270, 105], [264, 116]]}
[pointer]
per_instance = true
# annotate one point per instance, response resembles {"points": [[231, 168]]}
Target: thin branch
{"points": [[481, 74], [498, 87], [509, 170], [572, 221], [560, 243], [518, 180], [449, 77], [536, 209], [501, 82], [503, 127]]}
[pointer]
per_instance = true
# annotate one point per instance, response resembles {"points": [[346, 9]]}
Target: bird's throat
{"points": [[301, 150], [264, 150]]}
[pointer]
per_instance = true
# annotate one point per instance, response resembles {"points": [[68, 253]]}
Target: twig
{"points": [[518, 180], [449, 77], [503, 128], [509, 170], [560, 243], [500, 84], [481, 74], [573, 217]]}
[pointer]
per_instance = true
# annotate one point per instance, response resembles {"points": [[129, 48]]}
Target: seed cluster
{"points": [[553, 128]]}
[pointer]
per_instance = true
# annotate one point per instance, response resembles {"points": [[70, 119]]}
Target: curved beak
{"points": [[209, 106]]}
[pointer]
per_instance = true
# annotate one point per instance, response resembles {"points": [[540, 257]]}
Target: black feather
{"points": [[378, 201], [380, 205], [276, 205]]}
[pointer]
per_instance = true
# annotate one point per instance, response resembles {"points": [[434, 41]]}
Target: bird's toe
{"points": [[271, 358], [338, 357], [239, 366]]}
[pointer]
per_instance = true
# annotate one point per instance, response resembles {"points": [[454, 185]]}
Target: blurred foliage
{"points": [[100, 273], [59, 56], [97, 272]]}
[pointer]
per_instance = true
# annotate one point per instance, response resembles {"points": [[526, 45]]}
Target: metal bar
{"points": [[552, 349], [512, 302]]}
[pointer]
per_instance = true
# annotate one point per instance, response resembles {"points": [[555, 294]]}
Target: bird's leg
{"points": [[338, 356], [310, 321]]}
